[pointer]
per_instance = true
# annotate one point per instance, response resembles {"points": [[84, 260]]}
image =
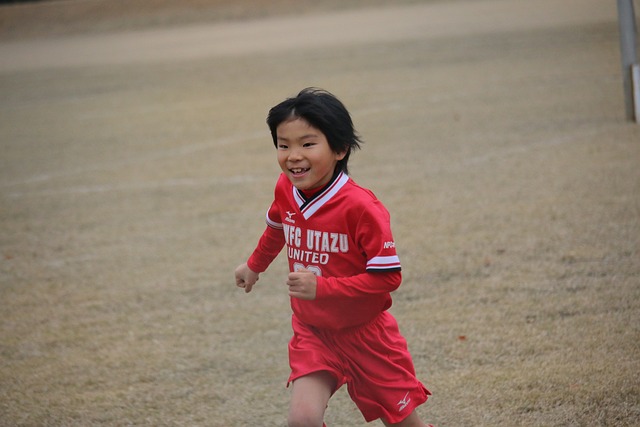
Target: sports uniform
{"points": [[342, 233]]}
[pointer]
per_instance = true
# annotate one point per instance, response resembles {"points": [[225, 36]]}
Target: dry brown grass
{"points": [[66, 17], [128, 194]]}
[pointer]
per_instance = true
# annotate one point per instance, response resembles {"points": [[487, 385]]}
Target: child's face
{"points": [[304, 154]]}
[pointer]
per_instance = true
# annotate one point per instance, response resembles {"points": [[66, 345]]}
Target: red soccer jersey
{"points": [[343, 235]]}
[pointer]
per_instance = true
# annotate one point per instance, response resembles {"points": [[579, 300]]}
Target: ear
{"points": [[341, 155]]}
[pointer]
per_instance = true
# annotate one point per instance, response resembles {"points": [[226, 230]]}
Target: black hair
{"points": [[323, 111]]}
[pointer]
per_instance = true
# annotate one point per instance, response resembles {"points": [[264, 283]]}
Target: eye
{"points": [[309, 144], [282, 147]]}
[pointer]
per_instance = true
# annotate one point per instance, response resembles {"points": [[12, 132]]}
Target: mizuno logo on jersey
{"points": [[289, 217]]}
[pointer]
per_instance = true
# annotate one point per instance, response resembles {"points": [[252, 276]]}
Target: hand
{"points": [[245, 277], [302, 284]]}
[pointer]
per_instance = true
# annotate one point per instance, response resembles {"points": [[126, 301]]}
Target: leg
{"points": [[412, 420], [309, 398]]}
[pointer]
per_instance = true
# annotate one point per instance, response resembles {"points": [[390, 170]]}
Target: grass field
{"points": [[136, 167]]}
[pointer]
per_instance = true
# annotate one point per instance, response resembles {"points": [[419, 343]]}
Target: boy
{"points": [[343, 266]]}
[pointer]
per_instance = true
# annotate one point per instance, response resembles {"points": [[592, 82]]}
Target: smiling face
{"points": [[304, 154]]}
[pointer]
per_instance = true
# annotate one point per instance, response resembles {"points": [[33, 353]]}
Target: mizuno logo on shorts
{"points": [[404, 402]]}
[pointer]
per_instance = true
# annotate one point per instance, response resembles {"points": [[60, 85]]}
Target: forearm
{"points": [[269, 246], [359, 285]]}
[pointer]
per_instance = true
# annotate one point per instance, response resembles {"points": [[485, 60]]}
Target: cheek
{"points": [[282, 158]]}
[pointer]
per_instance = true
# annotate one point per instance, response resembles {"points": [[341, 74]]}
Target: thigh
{"points": [[310, 396], [308, 353], [412, 420]]}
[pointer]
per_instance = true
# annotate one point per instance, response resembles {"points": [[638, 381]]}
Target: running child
{"points": [[343, 266]]}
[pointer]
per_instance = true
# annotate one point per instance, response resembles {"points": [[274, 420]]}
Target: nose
{"points": [[295, 154]]}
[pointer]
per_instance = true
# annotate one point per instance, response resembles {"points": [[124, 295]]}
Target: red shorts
{"points": [[372, 359]]}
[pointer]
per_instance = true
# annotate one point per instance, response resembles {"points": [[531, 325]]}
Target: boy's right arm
{"points": [[270, 244], [245, 277]]}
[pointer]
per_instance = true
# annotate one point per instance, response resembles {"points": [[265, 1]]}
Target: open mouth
{"points": [[298, 171]]}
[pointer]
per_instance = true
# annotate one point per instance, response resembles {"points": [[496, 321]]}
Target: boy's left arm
{"points": [[362, 284], [382, 275]]}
